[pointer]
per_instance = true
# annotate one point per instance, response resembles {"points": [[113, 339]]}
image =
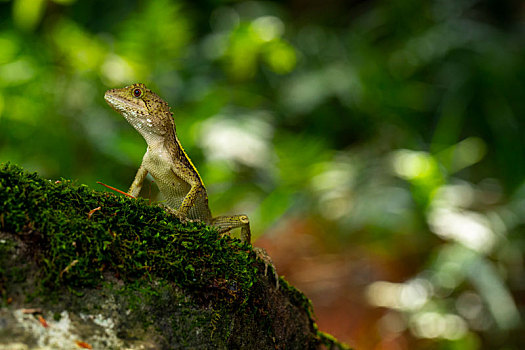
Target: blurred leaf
{"points": [[27, 14]]}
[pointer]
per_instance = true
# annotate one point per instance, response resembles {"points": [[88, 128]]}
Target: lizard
{"points": [[168, 163]]}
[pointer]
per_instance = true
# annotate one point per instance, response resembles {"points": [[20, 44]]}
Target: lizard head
{"points": [[143, 109]]}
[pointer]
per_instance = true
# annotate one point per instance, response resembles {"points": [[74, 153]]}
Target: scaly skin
{"points": [[165, 159]]}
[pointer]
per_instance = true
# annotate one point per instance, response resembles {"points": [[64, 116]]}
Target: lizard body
{"points": [[177, 178]]}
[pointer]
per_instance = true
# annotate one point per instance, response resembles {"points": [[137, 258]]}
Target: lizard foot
{"points": [[263, 255], [183, 219]]}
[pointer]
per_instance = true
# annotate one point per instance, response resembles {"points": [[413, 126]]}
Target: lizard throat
{"points": [[137, 116]]}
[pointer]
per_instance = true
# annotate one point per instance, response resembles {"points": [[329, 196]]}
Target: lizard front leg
{"points": [[136, 186], [196, 189]]}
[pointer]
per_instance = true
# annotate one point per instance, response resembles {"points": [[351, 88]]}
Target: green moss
{"points": [[330, 342], [296, 297], [183, 279], [300, 300], [168, 310], [77, 249]]}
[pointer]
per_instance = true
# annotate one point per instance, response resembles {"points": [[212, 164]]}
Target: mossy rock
{"points": [[85, 268]]}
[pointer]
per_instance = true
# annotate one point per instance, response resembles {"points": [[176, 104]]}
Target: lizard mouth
{"points": [[121, 104], [133, 111], [114, 101]]}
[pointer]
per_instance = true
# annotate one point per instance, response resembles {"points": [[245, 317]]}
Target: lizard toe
{"points": [[268, 263]]}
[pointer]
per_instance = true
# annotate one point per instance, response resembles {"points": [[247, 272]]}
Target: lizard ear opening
{"points": [[137, 92]]}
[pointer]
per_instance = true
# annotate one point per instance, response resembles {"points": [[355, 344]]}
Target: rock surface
{"points": [[85, 269]]}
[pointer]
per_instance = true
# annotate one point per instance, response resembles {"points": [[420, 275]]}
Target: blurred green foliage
{"points": [[396, 125]]}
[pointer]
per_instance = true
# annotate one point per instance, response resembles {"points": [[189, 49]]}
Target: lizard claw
{"points": [[183, 219], [263, 255]]}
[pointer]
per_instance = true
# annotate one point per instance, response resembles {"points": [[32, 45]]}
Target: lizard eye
{"points": [[137, 92]]}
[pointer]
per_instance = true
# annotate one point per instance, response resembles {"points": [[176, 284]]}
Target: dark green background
{"points": [[393, 130]]}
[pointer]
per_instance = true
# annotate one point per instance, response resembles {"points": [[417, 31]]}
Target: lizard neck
{"points": [[156, 141]]}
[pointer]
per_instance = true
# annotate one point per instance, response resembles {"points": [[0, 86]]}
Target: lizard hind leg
{"points": [[229, 222]]}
